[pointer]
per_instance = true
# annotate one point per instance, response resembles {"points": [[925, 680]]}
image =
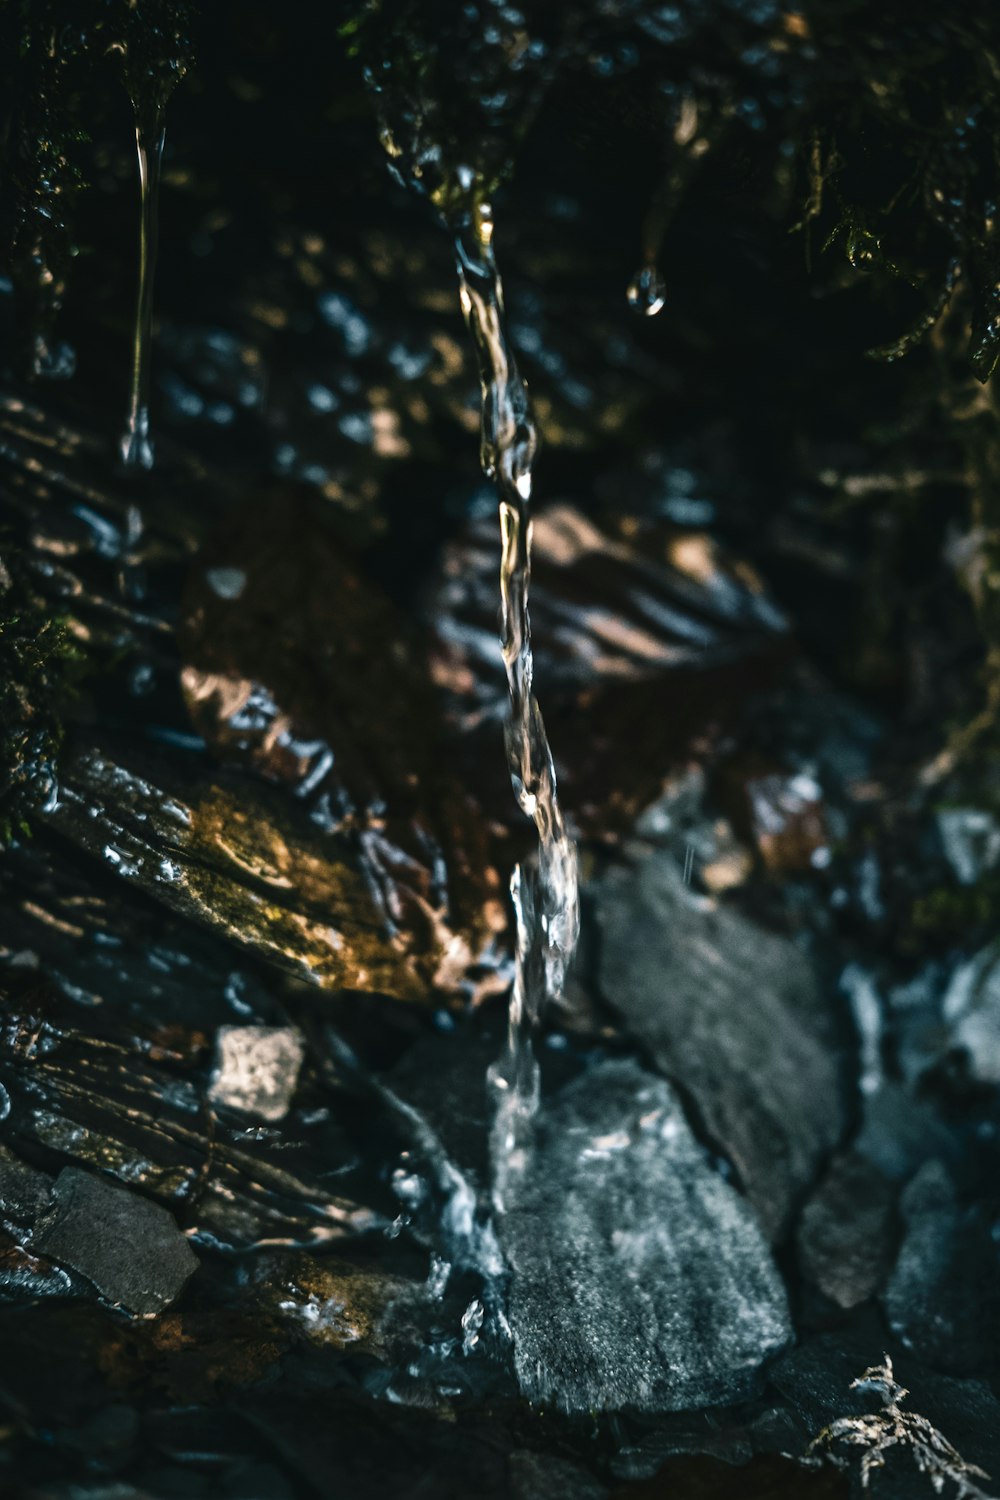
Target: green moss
{"points": [[39, 664]]}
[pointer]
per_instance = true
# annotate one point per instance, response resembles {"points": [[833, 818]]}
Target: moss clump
{"points": [[38, 666]]}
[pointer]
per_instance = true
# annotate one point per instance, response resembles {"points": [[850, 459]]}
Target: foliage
{"points": [[892, 1428], [38, 664]]}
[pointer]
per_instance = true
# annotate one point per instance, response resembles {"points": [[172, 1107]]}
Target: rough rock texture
{"points": [[640, 1278], [233, 860], [941, 1299], [734, 1013], [130, 1248], [845, 1234]]}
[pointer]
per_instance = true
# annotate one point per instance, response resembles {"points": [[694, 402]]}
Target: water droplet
{"points": [[136, 448], [647, 291]]}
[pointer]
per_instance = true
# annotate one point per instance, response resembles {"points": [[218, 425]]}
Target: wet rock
{"points": [[280, 637], [333, 1303], [24, 1191], [845, 1235], [25, 1277], [103, 944], [970, 837], [765, 1477], [132, 1104], [257, 1069], [639, 1276], [619, 610], [707, 847], [942, 1298], [786, 813], [818, 1381], [130, 1248], [735, 1013], [900, 1132], [541, 1476], [234, 859], [971, 1010]]}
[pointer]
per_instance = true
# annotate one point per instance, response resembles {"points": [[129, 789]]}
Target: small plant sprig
{"points": [[877, 1434]]}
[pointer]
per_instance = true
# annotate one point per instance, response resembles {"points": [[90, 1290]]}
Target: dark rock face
{"points": [[629, 616], [127, 1246], [639, 1277], [846, 1232], [941, 1299], [238, 865], [240, 954], [736, 1015]]}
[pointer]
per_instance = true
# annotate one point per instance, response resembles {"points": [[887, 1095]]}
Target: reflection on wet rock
{"points": [[735, 1014], [280, 638], [133, 1105], [639, 1276], [971, 1011], [645, 635], [234, 860]]}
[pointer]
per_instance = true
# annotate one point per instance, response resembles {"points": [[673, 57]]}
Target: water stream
{"points": [[136, 446], [544, 889]]}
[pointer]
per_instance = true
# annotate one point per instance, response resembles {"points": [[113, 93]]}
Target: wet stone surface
{"points": [[736, 1014], [127, 1246], [639, 1278], [255, 953]]}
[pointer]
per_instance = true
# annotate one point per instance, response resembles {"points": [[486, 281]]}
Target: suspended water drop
{"points": [[647, 291], [136, 447]]}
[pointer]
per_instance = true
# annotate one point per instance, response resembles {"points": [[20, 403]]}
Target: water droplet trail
{"points": [[136, 447], [544, 891]]}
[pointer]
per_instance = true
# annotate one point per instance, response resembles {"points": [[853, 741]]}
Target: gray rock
{"points": [[24, 1191], [732, 1011], [942, 1298], [130, 1248], [972, 1013], [542, 1476], [257, 1069], [640, 1278], [970, 837], [845, 1234]]}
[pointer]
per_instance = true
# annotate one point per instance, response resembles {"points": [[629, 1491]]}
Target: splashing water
{"points": [[544, 891], [136, 447]]}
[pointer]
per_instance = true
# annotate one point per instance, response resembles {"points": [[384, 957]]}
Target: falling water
{"points": [[136, 448], [647, 291], [544, 890]]}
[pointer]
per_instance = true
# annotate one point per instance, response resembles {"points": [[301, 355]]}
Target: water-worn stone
{"points": [[130, 1248], [639, 1275], [735, 1014]]}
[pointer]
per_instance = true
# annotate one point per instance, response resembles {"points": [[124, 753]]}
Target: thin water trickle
{"points": [[136, 446], [544, 890]]}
